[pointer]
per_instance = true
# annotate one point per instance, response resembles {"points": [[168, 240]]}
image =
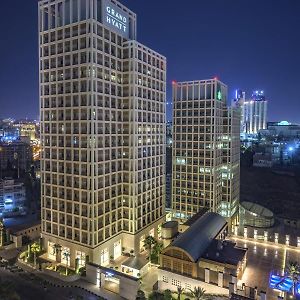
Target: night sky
{"points": [[248, 44]]}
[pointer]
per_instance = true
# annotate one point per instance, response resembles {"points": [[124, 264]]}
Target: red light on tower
{"points": [[216, 78], [174, 82]]}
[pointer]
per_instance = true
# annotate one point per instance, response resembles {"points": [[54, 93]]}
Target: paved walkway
{"points": [[263, 258]]}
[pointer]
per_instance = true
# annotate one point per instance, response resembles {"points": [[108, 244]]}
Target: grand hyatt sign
{"points": [[115, 18]]}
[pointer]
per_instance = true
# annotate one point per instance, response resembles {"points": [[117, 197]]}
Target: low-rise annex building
{"points": [[201, 256]]}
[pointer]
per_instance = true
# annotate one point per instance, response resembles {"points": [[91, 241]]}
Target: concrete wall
{"points": [[267, 235], [69, 278], [129, 288], [169, 280], [33, 233]]}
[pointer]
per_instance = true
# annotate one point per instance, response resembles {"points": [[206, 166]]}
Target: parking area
{"points": [[262, 259]]}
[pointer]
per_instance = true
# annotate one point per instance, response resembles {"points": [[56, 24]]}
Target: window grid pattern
{"points": [[102, 131], [200, 122]]}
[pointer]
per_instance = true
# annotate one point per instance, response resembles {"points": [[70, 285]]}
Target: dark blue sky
{"points": [[248, 44]]}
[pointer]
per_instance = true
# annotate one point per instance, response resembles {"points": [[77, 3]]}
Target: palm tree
{"points": [[293, 272], [140, 295], [56, 248], [198, 293], [157, 248], [149, 241], [66, 255], [2, 229], [179, 291], [56, 251], [35, 248]]}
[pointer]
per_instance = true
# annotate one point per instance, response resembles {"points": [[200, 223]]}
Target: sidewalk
{"points": [[80, 284]]}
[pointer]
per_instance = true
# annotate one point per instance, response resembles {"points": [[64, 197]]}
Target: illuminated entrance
{"points": [[111, 282]]}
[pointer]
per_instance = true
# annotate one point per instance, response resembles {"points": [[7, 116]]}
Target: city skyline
{"points": [[104, 197], [242, 64]]}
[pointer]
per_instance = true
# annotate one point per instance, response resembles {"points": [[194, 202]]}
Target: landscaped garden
{"points": [[154, 248]]}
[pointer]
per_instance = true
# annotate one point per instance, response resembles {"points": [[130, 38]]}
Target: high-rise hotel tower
{"points": [[253, 112], [102, 105], [206, 150]]}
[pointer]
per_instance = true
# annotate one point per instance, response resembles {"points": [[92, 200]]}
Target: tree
{"points": [[293, 272], [140, 295], [56, 252], [35, 248], [66, 255], [156, 296], [149, 241], [179, 291], [168, 295], [198, 293], [77, 266], [157, 248]]}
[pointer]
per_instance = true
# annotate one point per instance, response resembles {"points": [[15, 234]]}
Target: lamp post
{"points": [[0, 163], [1, 233], [291, 150]]}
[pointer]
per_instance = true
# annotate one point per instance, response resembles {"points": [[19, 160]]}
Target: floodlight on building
{"points": [[265, 236], [276, 238], [287, 240], [245, 232], [255, 234]]}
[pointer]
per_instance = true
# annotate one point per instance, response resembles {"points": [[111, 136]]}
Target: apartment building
{"points": [[12, 198], [102, 103], [205, 150]]}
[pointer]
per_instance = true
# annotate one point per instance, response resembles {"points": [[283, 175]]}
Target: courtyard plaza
{"points": [[263, 258]]}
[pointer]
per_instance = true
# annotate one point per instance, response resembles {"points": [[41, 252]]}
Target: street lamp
{"points": [[291, 150]]}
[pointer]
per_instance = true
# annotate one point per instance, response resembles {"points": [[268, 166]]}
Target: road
{"points": [[31, 287]]}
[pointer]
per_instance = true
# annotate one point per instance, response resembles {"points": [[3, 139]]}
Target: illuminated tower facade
{"points": [[253, 111], [102, 104], [205, 150]]}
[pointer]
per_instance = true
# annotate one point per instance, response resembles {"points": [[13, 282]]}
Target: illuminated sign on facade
{"points": [[115, 18]]}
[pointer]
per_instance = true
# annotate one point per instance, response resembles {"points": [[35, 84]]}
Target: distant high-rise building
{"points": [[103, 131], [253, 112], [29, 130], [15, 155], [205, 149], [12, 198]]}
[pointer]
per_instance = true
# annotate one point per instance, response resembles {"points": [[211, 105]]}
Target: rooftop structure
{"points": [[195, 240], [253, 214]]}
